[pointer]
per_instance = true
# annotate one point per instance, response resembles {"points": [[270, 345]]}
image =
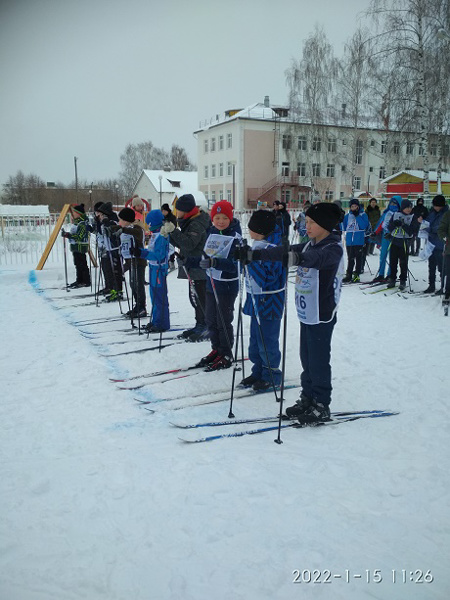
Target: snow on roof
{"points": [[432, 175], [257, 110], [13, 210], [188, 180]]}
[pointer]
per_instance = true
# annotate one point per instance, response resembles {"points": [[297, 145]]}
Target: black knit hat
{"points": [[79, 209], [405, 204], [262, 222], [127, 214], [325, 214], [105, 209], [439, 200], [185, 203], [166, 207], [97, 206]]}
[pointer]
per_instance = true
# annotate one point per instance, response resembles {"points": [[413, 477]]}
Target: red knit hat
{"points": [[223, 207]]}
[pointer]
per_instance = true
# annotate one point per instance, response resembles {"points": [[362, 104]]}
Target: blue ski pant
{"points": [[315, 356], [265, 355]]}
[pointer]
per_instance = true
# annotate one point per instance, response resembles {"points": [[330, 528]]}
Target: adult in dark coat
{"points": [[283, 218], [419, 210], [374, 213]]}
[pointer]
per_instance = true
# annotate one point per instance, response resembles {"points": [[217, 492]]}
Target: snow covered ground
{"points": [[100, 500]]}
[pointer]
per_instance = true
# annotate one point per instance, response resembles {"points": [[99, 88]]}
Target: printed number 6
{"points": [[302, 302]]}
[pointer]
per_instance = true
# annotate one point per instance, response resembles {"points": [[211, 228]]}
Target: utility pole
{"points": [[76, 178]]}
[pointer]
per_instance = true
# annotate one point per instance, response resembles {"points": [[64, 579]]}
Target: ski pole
{"points": [[278, 440], [65, 264], [239, 329]]}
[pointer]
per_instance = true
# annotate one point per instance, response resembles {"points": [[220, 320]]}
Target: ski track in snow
{"points": [[100, 500]]}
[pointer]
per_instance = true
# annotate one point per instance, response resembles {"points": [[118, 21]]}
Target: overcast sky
{"points": [[86, 77]]}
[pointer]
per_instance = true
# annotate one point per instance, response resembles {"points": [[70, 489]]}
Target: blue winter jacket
{"points": [[226, 266], [356, 228], [269, 276], [434, 219], [160, 255]]}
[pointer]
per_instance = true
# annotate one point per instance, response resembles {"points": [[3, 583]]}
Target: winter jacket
{"points": [[420, 210], [392, 207], [402, 227], [444, 231], [374, 215], [434, 220], [355, 228], [130, 237], [79, 235], [157, 254], [190, 239], [219, 246], [265, 282], [283, 221]]}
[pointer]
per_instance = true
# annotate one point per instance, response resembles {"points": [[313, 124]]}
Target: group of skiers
{"points": [[213, 258]]}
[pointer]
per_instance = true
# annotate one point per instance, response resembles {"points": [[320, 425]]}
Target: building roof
{"points": [[175, 182], [29, 210], [418, 174]]}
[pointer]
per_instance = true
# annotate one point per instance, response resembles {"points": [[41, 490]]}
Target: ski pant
{"points": [[265, 355], [446, 275], [355, 258], [112, 270], [137, 284], [220, 333], [160, 304], [385, 244], [197, 298], [399, 254], [81, 268], [434, 262], [315, 355]]}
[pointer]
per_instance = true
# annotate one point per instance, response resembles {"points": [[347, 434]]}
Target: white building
{"points": [[260, 154], [160, 187]]}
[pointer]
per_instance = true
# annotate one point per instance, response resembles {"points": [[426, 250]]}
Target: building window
{"points": [[382, 172], [394, 170], [285, 169], [213, 144], [206, 172], [229, 168], [229, 140], [316, 169], [433, 149], [205, 146], [213, 197], [329, 195], [396, 147], [220, 169], [301, 169], [206, 196], [341, 194], [316, 145], [343, 168], [420, 149], [286, 143], [302, 144], [358, 152], [229, 195], [383, 147], [220, 142], [370, 169], [331, 144], [286, 196], [213, 170], [446, 150], [409, 147], [357, 183], [372, 143], [221, 195], [330, 170], [344, 142]]}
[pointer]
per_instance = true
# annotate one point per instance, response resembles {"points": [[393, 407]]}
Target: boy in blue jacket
{"points": [[264, 304], [317, 292], [157, 254], [222, 285], [356, 225]]}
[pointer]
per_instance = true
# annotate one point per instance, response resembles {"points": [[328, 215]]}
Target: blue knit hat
{"points": [[154, 219]]}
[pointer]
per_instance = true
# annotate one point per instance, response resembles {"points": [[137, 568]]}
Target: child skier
{"points": [[264, 303], [356, 225], [402, 226], [157, 254], [78, 237], [111, 261], [317, 293], [222, 285]]}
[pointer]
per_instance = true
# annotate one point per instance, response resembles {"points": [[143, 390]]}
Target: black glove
{"points": [[64, 234], [397, 223], [136, 252], [243, 254], [207, 263]]}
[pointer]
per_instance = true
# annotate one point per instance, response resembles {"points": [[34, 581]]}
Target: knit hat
{"points": [[97, 206], [405, 204], [439, 200], [325, 214], [222, 207], [136, 201], [106, 209], [354, 201], [262, 222], [185, 203], [78, 209], [127, 214], [166, 207], [154, 219]]}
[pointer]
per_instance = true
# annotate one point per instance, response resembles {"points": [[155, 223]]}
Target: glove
{"points": [[207, 263], [64, 234], [136, 252], [167, 228], [294, 259], [243, 254], [397, 223]]}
